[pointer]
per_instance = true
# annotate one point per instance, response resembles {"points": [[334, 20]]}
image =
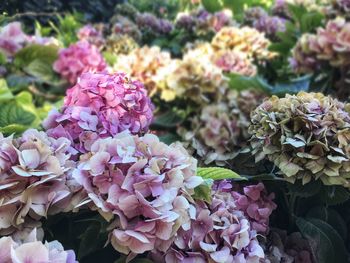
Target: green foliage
{"points": [[67, 27], [37, 60], [325, 242], [203, 191], [239, 82], [217, 173]]}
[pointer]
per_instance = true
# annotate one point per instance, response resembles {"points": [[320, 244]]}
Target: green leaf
{"points": [[47, 54], [203, 191], [88, 242], [12, 113], [19, 82], [334, 195], [212, 5], [3, 59], [293, 86], [168, 120], [331, 217], [217, 173], [239, 82], [5, 93], [310, 21], [169, 138], [307, 190], [43, 71], [13, 128], [325, 242]]}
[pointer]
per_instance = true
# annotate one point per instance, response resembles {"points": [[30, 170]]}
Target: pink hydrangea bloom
{"points": [[219, 233], [12, 38], [79, 58], [101, 105], [32, 179], [145, 184], [32, 251], [92, 35], [257, 205]]}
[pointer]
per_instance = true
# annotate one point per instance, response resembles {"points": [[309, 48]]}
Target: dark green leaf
{"points": [[333, 195], [169, 138], [239, 82], [168, 120], [307, 190], [331, 217], [88, 242], [325, 242], [310, 21], [292, 87], [217, 173]]}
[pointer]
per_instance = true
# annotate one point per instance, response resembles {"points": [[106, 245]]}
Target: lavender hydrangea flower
{"points": [[148, 21], [100, 105], [145, 184], [219, 233], [12, 38], [32, 251], [32, 178]]}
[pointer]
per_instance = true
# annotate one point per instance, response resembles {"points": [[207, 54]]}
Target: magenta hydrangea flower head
{"points": [[257, 205], [12, 38], [219, 233], [30, 250], [32, 178], [101, 105], [145, 184], [79, 58]]}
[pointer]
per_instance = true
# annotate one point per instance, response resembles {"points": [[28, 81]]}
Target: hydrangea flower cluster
{"points": [[145, 183], [12, 38], [78, 58], [124, 26], [92, 35], [245, 39], [195, 78], [200, 21], [147, 21], [219, 233], [32, 180], [257, 206], [281, 247], [330, 45], [234, 62], [220, 131], [120, 44], [258, 18], [305, 135], [32, 251], [100, 105], [145, 64]]}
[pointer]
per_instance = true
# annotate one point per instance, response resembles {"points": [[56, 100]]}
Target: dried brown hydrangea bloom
{"points": [[196, 78], [220, 131], [120, 44], [229, 61], [306, 136], [246, 39]]}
